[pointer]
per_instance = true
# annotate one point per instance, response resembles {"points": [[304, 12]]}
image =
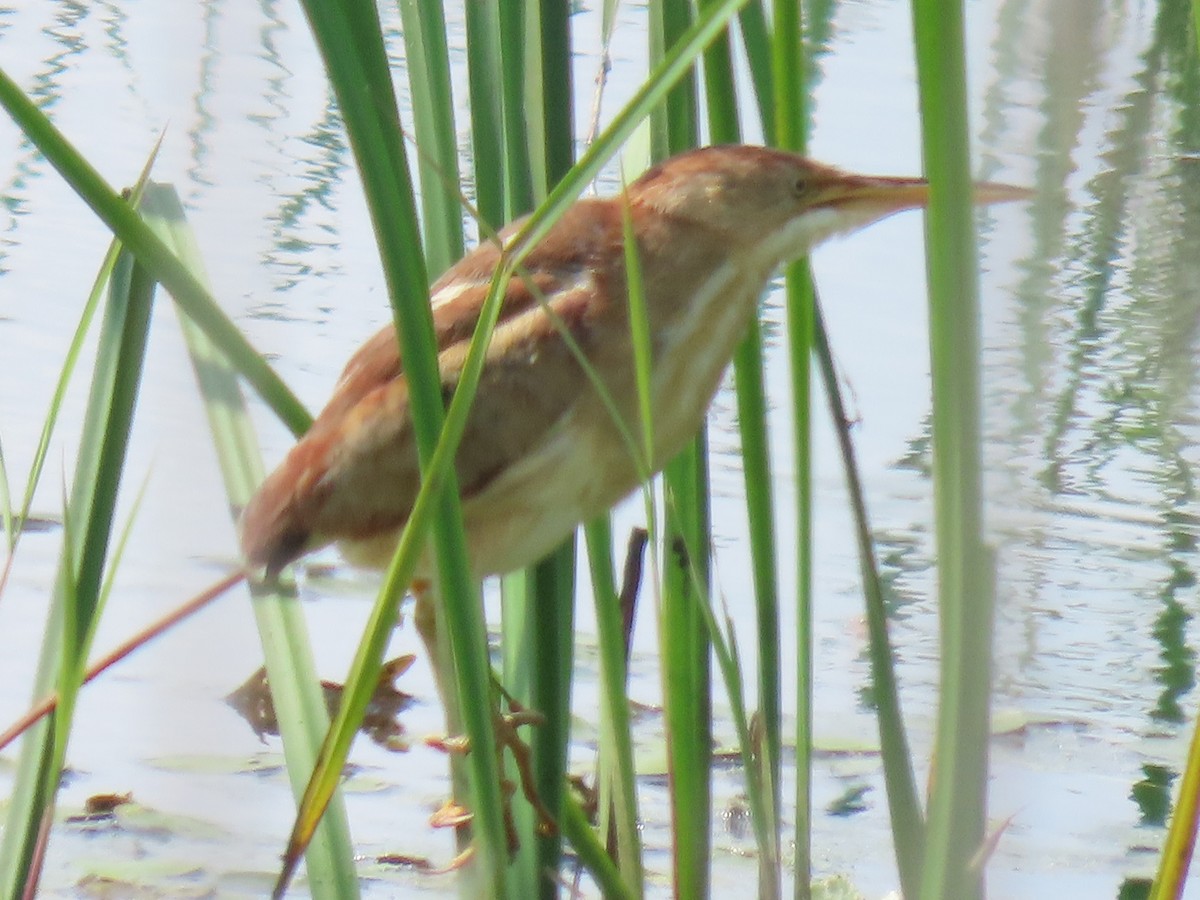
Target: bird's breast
{"points": [[696, 346]]}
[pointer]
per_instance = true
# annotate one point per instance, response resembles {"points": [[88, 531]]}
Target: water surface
{"points": [[1089, 308]]}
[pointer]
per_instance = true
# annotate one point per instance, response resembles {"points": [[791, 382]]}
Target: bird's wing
{"points": [[355, 473]]}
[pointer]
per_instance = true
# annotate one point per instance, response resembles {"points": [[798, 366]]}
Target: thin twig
{"points": [[630, 584], [197, 603], [37, 858], [601, 78]]}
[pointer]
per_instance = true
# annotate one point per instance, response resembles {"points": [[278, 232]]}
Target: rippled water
{"points": [[1090, 298]]}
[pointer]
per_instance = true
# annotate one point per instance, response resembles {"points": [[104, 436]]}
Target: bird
{"points": [[541, 452]]}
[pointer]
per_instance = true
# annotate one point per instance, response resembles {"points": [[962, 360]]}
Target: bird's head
{"points": [[779, 202]]}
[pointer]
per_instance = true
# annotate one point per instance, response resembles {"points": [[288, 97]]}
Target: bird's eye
{"points": [[800, 187]]}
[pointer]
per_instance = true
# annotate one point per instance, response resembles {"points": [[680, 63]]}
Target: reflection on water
{"points": [[1090, 314], [1093, 389], [381, 721]]}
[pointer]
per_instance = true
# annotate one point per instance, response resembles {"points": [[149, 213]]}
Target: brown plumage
{"points": [[540, 453]]}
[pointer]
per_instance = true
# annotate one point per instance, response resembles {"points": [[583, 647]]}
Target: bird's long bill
{"points": [[892, 194]]}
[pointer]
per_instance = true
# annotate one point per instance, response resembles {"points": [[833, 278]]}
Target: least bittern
{"points": [[541, 452]]}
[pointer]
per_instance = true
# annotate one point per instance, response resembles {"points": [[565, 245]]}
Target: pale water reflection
{"points": [[1090, 302]]}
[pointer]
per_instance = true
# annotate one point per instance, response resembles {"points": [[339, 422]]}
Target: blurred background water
{"points": [[1090, 296]]}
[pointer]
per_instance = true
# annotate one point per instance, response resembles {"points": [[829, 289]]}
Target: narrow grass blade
{"points": [[686, 667], [674, 125], [756, 474], [547, 634], [684, 648], [523, 120], [618, 787], [125, 223], [724, 124], [72, 675], [786, 120], [640, 336], [904, 803], [957, 809], [527, 656], [1180, 846], [757, 40], [75, 604], [555, 88], [539, 604], [1196, 18], [72, 358], [579, 832], [487, 110], [433, 120], [291, 670], [724, 645]]}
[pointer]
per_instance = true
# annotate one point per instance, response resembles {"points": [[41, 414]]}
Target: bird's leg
{"points": [[454, 813], [437, 648], [441, 661], [506, 736]]}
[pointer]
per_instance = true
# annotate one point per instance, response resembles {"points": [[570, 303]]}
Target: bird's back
{"points": [[355, 475]]}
